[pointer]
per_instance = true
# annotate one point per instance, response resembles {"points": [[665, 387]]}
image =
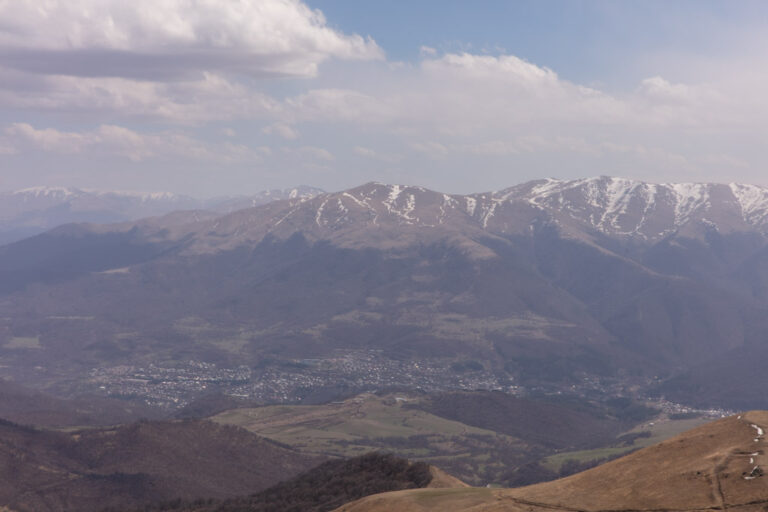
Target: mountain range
{"points": [[600, 284]]}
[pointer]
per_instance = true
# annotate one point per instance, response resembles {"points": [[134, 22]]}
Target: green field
{"points": [[23, 342], [351, 427], [369, 422]]}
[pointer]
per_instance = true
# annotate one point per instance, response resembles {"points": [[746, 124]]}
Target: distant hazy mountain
{"points": [[34, 210], [563, 283], [231, 204]]}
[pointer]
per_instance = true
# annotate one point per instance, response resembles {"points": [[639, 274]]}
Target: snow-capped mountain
{"points": [[545, 280], [601, 206], [614, 207], [618, 206]]}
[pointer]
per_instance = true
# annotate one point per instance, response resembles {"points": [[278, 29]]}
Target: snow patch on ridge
{"points": [[543, 190], [471, 205], [56, 192], [395, 191], [617, 196], [753, 201], [689, 197]]}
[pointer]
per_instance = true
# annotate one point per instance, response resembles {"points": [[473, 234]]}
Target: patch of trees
{"points": [[324, 488], [684, 415], [626, 409], [629, 439]]}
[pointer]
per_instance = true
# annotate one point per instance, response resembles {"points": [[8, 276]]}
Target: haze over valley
{"points": [[315, 256], [601, 285]]}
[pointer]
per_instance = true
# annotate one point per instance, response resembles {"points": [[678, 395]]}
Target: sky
{"points": [[224, 97]]}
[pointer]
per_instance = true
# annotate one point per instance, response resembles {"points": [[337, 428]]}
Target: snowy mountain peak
{"points": [[620, 206], [610, 205], [66, 193], [753, 201], [49, 192]]}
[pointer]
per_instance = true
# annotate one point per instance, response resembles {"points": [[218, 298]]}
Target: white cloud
{"points": [[427, 51], [48, 139], [283, 130], [341, 105], [658, 88], [314, 153], [211, 98], [487, 113], [376, 155], [169, 39], [459, 94], [121, 142], [506, 68], [431, 148]]}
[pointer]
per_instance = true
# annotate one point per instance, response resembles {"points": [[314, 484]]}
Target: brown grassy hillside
{"points": [[708, 468]]}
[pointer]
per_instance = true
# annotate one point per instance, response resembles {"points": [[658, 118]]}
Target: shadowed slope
{"points": [[134, 465], [329, 485]]}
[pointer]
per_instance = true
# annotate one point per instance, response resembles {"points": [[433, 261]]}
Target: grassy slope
{"points": [[342, 428], [368, 422], [402, 425], [702, 469]]}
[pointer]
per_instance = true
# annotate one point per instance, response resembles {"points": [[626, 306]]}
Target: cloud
{"points": [[508, 69], [658, 88], [376, 155], [431, 148], [487, 120], [25, 135], [172, 39], [283, 130], [458, 94], [426, 51], [316, 153], [122, 142], [212, 98], [341, 105]]}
